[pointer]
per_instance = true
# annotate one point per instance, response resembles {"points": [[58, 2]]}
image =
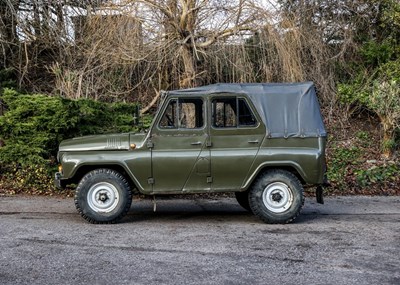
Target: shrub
{"points": [[341, 161], [383, 174], [381, 95], [34, 125]]}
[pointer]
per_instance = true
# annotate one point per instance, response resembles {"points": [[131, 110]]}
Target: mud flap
{"points": [[319, 194]]}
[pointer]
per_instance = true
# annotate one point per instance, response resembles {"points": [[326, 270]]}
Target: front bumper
{"points": [[58, 180]]}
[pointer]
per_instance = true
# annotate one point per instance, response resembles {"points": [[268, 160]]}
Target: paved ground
{"points": [[349, 240]]}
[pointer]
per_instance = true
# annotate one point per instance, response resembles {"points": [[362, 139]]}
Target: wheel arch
{"points": [[82, 170], [290, 167]]}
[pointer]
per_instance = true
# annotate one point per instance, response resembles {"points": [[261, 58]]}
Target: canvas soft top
{"points": [[287, 109]]}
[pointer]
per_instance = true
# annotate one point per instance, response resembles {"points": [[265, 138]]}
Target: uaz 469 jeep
{"points": [[261, 141]]}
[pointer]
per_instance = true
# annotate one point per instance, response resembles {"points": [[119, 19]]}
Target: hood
{"points": [[102, 142]]}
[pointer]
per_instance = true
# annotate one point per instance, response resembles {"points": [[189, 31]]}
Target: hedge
{"points": [[33, 126]]}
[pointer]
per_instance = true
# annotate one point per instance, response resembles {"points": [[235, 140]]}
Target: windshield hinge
{"points": [[150, 144]]}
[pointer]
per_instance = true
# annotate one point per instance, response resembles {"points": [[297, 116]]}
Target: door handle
{"points": [[255, 141], [196, 143]]}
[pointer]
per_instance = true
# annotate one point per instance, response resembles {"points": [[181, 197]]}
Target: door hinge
{"points": [[150, 144], [209, 179], [150, 181]]}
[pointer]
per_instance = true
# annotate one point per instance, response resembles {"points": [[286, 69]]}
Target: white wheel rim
{"points": [[277, 197], [103, 197]]}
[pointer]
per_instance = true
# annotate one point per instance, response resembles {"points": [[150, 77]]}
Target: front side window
{"points": [[232, 112], [183, 114]]}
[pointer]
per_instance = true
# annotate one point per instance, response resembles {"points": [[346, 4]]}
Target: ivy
{"points": [[378, 175]]}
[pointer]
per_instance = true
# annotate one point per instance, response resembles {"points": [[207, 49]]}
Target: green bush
{"points": [[380, 94], [374, 54], [34, 125], [352, 169], [374, 83], [380, 175], [341, 161]]}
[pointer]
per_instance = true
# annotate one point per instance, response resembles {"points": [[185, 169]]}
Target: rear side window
{"points": [[232, 112], [184, 114]]}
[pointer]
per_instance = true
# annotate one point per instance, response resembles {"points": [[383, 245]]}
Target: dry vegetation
{"points": [[129, 50], [132, 50]]}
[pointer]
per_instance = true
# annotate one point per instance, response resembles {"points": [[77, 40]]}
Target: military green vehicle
{"points": [[264, 142]]}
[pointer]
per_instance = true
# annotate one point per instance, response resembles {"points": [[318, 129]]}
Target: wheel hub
{"points": [[277, 197], [103, 197]]}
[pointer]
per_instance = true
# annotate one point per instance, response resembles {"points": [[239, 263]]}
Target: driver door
{"points": [[180, 158]]}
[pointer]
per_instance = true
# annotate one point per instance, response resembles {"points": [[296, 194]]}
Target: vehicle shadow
{"points": [[188, 216], [185, 210], [198, 211]]}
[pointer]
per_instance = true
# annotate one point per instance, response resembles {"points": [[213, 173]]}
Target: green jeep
{"points": [[263, 142]]}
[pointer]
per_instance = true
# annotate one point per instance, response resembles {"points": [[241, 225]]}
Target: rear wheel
{"points": [[103, 196], [277, 197]]}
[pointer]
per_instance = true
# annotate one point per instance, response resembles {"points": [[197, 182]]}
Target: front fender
{"points": [[76, 164]]}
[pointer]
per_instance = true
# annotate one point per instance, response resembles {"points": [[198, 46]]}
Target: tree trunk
{"points": [[187, 23], [189, 75]]}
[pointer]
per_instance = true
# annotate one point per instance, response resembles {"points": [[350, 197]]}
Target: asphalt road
{"points": [[349, 240]]}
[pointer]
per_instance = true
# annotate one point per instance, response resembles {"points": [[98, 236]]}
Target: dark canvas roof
{"points": [[288, 109]]}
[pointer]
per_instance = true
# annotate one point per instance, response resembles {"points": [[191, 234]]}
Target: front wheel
{"points": [[103, 196], [277, 197]]}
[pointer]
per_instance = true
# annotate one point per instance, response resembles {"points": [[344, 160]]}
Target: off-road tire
{"points": [[276, 197], [103, 196], [243, 199]]}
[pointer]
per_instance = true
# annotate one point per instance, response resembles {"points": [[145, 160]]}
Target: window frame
{"points": [[237, 113], [177, 114]]}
